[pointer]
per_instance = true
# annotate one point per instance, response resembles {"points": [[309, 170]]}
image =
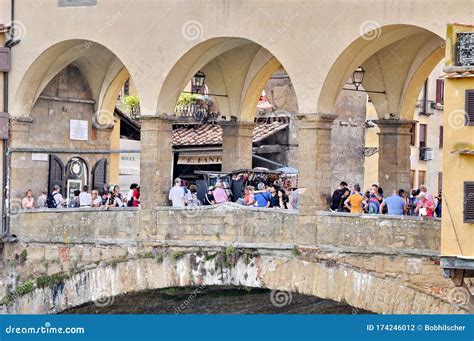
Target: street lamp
{"points": [[197, 82], [358, 77]]}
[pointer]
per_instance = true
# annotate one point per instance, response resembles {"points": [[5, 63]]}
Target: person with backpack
{"points": [[262, 197], [55, 199]]}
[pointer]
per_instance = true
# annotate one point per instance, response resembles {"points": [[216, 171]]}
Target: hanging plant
{"points": [[132, 102]]}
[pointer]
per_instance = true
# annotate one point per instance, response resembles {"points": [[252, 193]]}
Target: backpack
{"points": [[50, 202]]}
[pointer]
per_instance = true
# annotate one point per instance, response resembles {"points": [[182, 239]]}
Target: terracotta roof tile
{"points": [[211, 134]]}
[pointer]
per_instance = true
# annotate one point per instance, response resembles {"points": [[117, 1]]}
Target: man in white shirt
{"points": [[57, 196], [85, 198], [177, 194]]}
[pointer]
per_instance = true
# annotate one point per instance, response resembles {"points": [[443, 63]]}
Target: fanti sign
{"points": [[199, 159]]}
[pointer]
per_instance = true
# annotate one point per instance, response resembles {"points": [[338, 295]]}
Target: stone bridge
{"points": [[66, 258]]}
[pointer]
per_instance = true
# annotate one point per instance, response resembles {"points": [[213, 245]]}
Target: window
{"points": [[413, 134], [421, 178], [469, 202], [470, 107], [440, 91], [423, 132], [441, 133], [413, 174]]}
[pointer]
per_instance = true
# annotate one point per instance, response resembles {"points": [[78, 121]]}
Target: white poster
{"points": [[78, 130]]}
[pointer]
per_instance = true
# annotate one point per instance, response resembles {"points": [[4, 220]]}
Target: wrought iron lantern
{"points": [[358, 77], [197, 82]]}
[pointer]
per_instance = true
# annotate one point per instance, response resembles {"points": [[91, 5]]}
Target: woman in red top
{"points": [[136, 196], [425, 207]]}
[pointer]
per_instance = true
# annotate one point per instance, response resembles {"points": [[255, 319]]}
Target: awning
{"points": [[200, 158]]}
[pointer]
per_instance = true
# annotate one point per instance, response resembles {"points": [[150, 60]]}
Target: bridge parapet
{"points": [[231, 224]]}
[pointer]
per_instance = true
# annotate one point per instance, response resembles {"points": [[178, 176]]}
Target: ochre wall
{"points": [[457, 238]]}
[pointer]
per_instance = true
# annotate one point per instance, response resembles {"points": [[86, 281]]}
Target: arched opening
{"points": [[236, 71], [215, 300], [397, 60], [65, 107]]}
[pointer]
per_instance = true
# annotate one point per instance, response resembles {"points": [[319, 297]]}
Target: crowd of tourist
{"points": [[419, 202], [274, 196], [110, 196]]}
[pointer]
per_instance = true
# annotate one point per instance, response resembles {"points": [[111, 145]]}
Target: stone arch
{"points": [[101, 67], [239, 66], [275, 272], [386, 70]]}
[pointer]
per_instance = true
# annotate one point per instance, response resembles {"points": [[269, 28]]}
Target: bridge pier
{"points": [[314, 164], [394, 154], [236, 145], [156, 164]]}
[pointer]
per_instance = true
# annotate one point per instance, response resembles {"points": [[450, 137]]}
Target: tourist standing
{"points": [[345, 195], [55, 200], [118, 198], [274, 200], [374, 199], [209, 197], [28, 201], [176, 195], [42, 198], [74, 200], [129, 196], [220, 195], [396, 205], [85, 198], [261, 196], [192, 199], [425, 206], [337, 195], [96, 201], [354, 203]]}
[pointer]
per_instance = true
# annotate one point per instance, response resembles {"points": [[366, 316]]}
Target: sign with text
{"points": [[199, 159], [78, 130]]}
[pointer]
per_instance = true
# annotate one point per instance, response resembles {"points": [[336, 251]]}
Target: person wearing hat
{"points": [[209, 197], [176, 195]]}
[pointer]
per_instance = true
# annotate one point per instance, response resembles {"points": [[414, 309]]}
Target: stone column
{"points": [[156, 161], [314, 165], [314, 162], [237, 140], [394, 154]]}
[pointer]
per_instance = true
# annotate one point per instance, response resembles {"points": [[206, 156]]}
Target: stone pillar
{"points": [[237, 140], [314, 162], [394, 154], [156, 161], [315, 169]]}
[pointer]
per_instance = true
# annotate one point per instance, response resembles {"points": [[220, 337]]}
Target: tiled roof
{"points": [[211, 134]]}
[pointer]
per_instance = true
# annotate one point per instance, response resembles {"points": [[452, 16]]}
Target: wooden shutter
{"points": [[413, 134], [423, 135], [99, 175], [469, 202], [441, 136], [470, 107], [56, 173], [440, 91]]}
